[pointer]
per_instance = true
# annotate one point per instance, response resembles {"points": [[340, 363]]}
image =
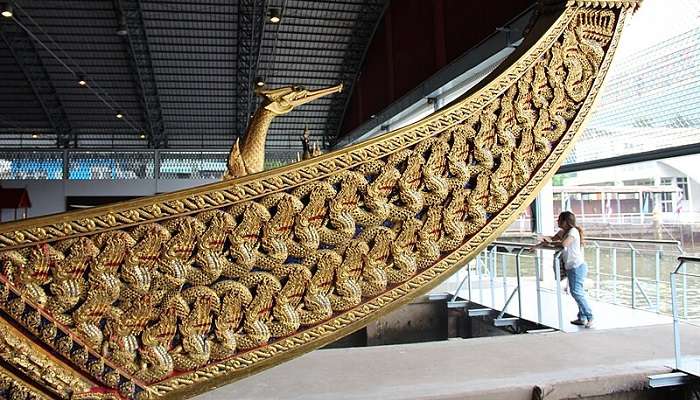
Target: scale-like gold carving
{"points": [[172, 295]]}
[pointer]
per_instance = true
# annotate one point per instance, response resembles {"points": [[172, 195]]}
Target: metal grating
{"points": [[31, 165], [110, 165], [192, 165]]}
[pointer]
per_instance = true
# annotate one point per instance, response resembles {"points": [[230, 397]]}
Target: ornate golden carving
{"points": [[42, 368], [249, 157], [14, 388], [175, 294], [631, 4]]}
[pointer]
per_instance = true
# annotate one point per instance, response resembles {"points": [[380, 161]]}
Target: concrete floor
{"points": [[563, 365]]}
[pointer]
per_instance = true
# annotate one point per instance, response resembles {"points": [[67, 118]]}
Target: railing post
{"points": [[469, 281], [685, 293], [538, 275], [492, 276], [633, 262], [66, 165], [517, 277], [613, 261], [597, 269], [676, 325], [505, 276], [156, 164], [478, 275], [557, 277], [658, 280]]}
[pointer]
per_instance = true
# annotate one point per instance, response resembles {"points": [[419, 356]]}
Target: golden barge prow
{"points": [[175, 294]]}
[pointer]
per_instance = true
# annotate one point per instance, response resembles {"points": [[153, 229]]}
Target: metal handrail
{"points": [[635, 251], [529, 247], [514, 244], [687, 258], [639, 241], [598, 239], [517, 248]]}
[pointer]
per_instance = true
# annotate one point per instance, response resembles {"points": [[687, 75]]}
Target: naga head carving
{"points": [[283, 100]]}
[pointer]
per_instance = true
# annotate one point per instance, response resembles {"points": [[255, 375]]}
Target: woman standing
{"points": [[570, 239]]}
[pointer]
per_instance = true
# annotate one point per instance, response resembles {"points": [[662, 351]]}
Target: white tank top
{"points": [[571, 255]]}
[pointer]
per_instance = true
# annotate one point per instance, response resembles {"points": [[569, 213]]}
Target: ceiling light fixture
{"points": [[35, 135], [122, 29], [82, 81], [259, 82], [275, 15], [119, 114], [6, 10], [143, 136]]}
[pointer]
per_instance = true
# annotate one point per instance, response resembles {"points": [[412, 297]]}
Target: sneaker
{"points": [[579, 322], [589, 323]]}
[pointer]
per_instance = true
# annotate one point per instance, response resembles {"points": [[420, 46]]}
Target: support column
{"points": [[603, 214], [545, 225]]}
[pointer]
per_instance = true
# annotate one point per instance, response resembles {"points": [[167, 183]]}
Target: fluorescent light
{"points": [[6, 10], [275, 15]]}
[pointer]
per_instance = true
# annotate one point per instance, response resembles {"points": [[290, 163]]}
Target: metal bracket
{"points": [[667, 380], [480, 312], [457, 304], [439, 296], [510, 321]]}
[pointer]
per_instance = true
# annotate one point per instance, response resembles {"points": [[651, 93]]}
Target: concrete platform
{"points": [[562, 365]]}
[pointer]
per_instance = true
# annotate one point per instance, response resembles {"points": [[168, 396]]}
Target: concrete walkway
{"points": [[564, 365]]}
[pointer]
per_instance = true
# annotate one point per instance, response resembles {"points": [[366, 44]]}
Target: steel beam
{"points": [[651, 155], [30, 62], [250, 27], [141, 65], [372, 10]]}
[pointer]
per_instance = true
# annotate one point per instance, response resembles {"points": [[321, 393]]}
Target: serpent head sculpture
{"points": [[249, 157]]}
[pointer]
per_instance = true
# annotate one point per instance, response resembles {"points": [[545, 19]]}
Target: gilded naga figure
{"points": [[249, 157]]}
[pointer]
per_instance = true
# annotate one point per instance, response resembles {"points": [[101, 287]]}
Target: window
{"points": [[639, 182], [682, 183], [666, 202]]}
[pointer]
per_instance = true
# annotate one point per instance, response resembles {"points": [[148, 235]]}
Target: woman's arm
{"points": [[551, 241]]}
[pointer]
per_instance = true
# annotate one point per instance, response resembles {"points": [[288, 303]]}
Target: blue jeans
{"points": [[576, 278]]}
